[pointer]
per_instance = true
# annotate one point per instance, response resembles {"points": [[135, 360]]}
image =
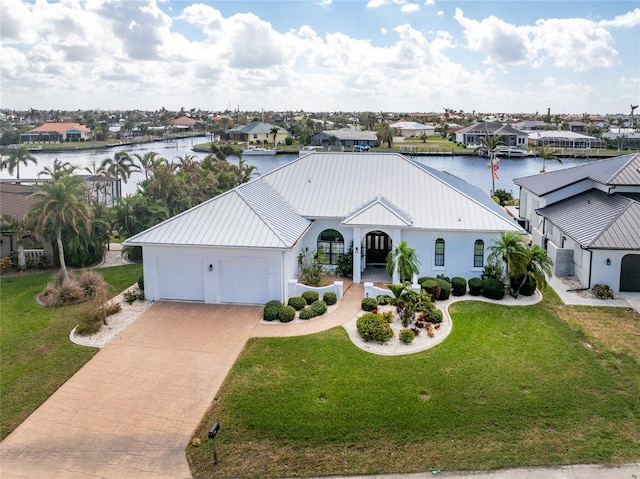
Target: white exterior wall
{"points": [[601, 273], [212, 279]]}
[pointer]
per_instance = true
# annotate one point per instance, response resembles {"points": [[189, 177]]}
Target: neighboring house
{"points": [[411, 128], [186, 122], [243, 246], [471, 135], [55, 132], [588, 218], [257, 133], [342, 138], [15, 201], [565, 139], [623, 140], [531, 125]]}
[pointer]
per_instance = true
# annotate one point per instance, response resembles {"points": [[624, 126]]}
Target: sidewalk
{"points": [[631, 300]]}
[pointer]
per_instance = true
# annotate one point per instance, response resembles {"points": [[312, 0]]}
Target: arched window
{"points": [[439, 253], [478, 254], [330, 247]]}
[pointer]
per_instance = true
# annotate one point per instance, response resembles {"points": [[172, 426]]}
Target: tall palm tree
{"points": [[58, 169], [63, 205], [146, 162], [274, 131], [120, 166], [98, 180], [547, 154], [384, 133], [404, 260], [511, 249], [15, 157]]}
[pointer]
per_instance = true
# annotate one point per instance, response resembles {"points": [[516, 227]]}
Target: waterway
{"points": [[472, 169]]}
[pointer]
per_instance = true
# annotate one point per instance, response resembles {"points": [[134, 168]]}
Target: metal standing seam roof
{"points": [[377, 189], [251, 215], [330, 185], [344, 135], [621, 170], [613, 220]]}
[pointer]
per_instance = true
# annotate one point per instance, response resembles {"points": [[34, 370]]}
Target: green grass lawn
{"points": [[510, 386], [36, 354]]}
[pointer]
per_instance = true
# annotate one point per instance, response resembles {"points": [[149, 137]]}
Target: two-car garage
{"points": [[214, 277]]}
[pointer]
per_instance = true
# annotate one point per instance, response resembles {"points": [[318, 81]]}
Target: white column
{"points": [[356, 255]]}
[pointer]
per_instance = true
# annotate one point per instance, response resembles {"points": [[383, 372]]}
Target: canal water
{"points": [[472, 169]]}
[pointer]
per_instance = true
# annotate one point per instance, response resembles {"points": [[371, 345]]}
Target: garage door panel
{"points": [[630, 273], [244, 281], [181, 278]]}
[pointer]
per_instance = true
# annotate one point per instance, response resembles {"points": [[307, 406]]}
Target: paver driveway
{"points": [[130, 411]]}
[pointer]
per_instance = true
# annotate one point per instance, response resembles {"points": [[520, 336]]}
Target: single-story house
{"points": [[623, 140], [54, 132], [341, 138], [470, 136], [257, 133], [588, 219], [408, 129], [243, 246], [565, 139], [186, 122]]}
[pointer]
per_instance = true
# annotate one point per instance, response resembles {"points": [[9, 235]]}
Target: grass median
{"points": [[511, 386], [37, 355]]}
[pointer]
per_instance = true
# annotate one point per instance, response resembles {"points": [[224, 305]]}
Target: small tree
{"points": [[403, 259]]}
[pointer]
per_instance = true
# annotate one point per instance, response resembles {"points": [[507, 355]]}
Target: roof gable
{"points": [[621, 170], [378, 212]]}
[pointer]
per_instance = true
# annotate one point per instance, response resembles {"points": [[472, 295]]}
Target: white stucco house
{"points": [[243, 246], [588, 219], [408, 129]]}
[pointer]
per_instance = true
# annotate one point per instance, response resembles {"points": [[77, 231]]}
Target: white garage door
{"points": [[244, 281], [181, 278]]}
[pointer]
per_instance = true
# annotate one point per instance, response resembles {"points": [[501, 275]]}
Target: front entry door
{"points": [[378, 247]]}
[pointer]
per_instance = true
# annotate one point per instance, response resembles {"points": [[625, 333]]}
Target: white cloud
{"points": [[410, 8], [440, 13], [628, 20], [383, 31]]}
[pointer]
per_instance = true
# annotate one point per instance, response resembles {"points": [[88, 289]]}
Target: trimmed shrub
{"points": [[432, 287], [287, 314], [446, 278], [310, 296], [319, 307], [369, 304], [297, 302], [602, 291], [492, 288], [475, 286], [373, 327], [272, 310], [330, 298], [306, 313], [406, 336], [445, 288], [384, 299], [529, 286], [458, 286]]}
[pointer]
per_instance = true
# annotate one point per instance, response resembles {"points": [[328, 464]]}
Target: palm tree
{"points": [[15, 157], [58, 169], [404, 260], [511, 249], [63, 205], [98, 179], [146, 162], [489, 145], [274, 132], [384, 133], [547, 153], [537, 265], [121, 166]]}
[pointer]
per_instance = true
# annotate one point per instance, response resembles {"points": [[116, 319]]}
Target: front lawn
{"points": [[37, 356], [511, 386]]}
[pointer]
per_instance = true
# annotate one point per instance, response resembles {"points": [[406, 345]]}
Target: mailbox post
{"points": [[212, 435]]}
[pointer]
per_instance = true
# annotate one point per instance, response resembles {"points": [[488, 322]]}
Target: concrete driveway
{"points": [[130, 411]]}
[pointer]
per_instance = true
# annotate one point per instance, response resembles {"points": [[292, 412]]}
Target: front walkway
{"points": [[631, 300]]}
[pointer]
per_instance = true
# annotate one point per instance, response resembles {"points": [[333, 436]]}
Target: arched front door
{"points": [[378, 245], [630, 273]]}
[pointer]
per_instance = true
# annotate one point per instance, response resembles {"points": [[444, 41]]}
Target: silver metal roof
{"points": [[621, 170], [377, 189], [613, 220]]}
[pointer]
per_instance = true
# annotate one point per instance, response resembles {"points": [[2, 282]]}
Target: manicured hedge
{"points": [[330, 298], [297, 302], [272, 310], [475, 286], [319, 307], [492, 288], [310, 296], [528, 288], [369, 304], [458, 286], [432, 286], [307, 313], [374, 327], [445, 289], [287, 314]]}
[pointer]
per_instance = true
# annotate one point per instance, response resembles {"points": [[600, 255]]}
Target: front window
{"points": [[439, 253], [478, 254], [330, 247]]}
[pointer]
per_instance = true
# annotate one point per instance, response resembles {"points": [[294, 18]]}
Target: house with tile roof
{"points": [[471, 135], [588, 219], [57, 132], [243, 246]]}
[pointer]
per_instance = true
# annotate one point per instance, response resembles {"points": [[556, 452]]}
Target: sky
{"points": [[511, 56]]}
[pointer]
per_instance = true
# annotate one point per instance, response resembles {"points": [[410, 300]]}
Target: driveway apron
{"points": [[130, 411]]}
